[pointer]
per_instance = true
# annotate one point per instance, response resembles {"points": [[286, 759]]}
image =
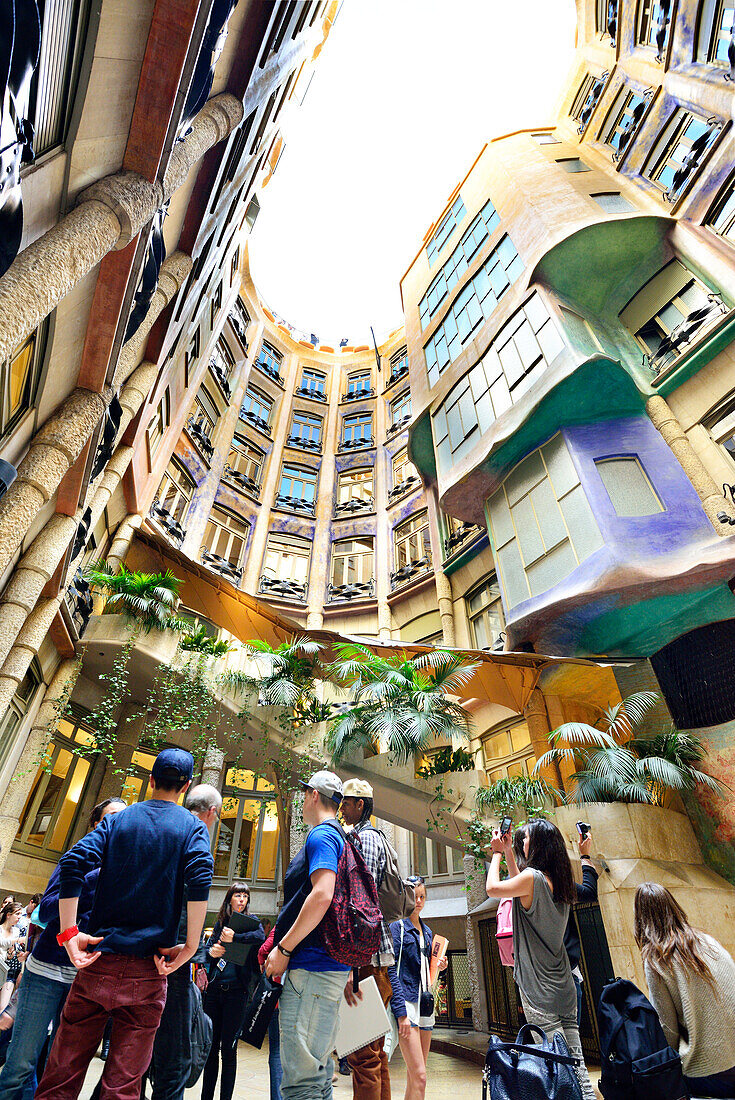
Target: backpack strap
{"points": [[400, 954]]}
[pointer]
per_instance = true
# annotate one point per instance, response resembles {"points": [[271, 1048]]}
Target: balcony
{"points": [[240, 322], [313, 445], [353, 505], [221, 378], [398, 426], [271, 372], [692, 161], [356, 444], [400, 370], [355, 395], [220, 565], [611, 22], [315, 395], [408, 571], [402, 488], [242, 481], [464, 534], [79, 601], [593, 98], [164, 519], [257, 421], [286, 590], [357, 590], [671, 346], [295, 504], [200, 437]]}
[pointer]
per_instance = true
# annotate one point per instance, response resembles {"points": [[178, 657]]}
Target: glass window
{"points": [[160, 422], [355, 485], [270, 360], [398, 364], [485, 613], [245, 843], [205, 413], [14, 712], [298, 482], [623, 120], [586, 99], [245, 459], [444, 230], [352, 561], [433, 860], [486, 222], [411, 540], [546, 139], [654, 18], [192, 353], [403, 469], [630, 491], [612, 202], [358, 384], [256, 405], [717, 32], [401, 407], [508, 751], [240, 319], [222, 362], [175, 491], [215, 304], [572, 165], [722, 217], [226, 536], [474, 304], [306, 428], [679, 151], [313, 381], [63, 30], [357, 430], [287, 558], [18, 378], [541, 523]]}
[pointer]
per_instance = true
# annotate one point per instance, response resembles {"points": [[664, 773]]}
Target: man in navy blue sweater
{"points": [[146, 856]]}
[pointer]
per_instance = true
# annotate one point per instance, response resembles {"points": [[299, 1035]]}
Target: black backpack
{"points": [[201, 1035], [637, 1062]]}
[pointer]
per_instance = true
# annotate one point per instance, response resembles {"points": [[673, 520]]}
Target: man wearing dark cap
{"points": [[127, 954], [315, 983]]}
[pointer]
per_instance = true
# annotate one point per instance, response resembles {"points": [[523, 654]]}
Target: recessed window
{"points": [[716, 32], [18, 381], [256, 407], [306, 430], [240, 319], [269, 360], [175, 492], [400, 408], [287, 558], [722, 217], [63, 32], [612, 202], [587, 98], [398, 364], [486, 222], [235, 264], [444, 230], [192, 354], [313, 381], [572, 165], [545, 139], [298, 482], [485, 614], [355, 485], [359, 384], [244, 463], [654, 23], [215, 305], [411, 540], [357, 430], [160, 422], [205, 413], [352, 561], [245, 842], [607, 19], [680, 151], [623, 120], [16, 710], [626, 483], [403, 469], [226, 537]]}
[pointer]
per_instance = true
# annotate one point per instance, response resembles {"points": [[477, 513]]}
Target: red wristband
{"points": [[68, 934]]}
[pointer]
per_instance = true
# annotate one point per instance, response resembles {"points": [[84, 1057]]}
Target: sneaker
{"points": [[344, 1067]]}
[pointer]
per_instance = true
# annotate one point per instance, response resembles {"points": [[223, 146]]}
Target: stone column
{"points": [[12, 802], [123, 540], [314, 620], [298, 829], [708, 492], [214, 759], [171, 278], [539, 729], [27, 645], [446, 607], [128, 739], [385, 619], [475, 883]]}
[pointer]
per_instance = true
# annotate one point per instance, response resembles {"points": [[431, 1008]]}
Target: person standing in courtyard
{"points": [[691, 982], [370, 1073], [314, 985], [146, 856]]}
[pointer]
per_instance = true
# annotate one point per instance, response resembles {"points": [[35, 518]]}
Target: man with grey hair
{"points": [[172, 1051]]}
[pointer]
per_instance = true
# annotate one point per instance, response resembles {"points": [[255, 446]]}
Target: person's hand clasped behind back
{"points": [[77, 948], [169, 959]]}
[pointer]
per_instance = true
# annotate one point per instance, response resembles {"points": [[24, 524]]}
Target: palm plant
{"points": [[288, 673], [197, 639], [400, 701], [638, 770], [148, 599]]}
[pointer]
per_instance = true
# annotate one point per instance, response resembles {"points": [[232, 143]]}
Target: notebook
{"points": [[362, 1023], [238, 952]]}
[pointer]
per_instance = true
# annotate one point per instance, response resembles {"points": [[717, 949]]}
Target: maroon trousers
{"points": [[133, 993]]}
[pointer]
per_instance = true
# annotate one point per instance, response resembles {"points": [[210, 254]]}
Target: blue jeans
{"points": [[40, 1001], [578, 987], [308, 1010], [719, 1085], [274, 1056]]}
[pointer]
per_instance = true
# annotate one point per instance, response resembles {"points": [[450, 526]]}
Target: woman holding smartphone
{"points": [[226, 995]]}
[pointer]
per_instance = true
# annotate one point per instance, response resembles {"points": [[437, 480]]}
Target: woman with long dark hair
{"points": [[226, 993], [543, 893], [691, 982]]}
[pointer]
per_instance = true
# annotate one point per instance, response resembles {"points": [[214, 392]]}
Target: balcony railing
{"points": [[611, 22], [458, 538], [258, 421], [79, 601], [313, 445], [164, 519], [355, 395], [354, 504], [221, 377], [593, 98], [672, 345], [398, 426], [408, 571], [662, 28], [399, 371], [315, 395], [238, 323], [272, 372], [221, 565], [296, 504], [356, 444], [403, 487], [628, 131], [243, 481], [357, 590], [287, 590], [700, 147], [200, 437]]}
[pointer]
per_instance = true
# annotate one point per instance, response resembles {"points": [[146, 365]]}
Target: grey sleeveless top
{"points": [[542, 968]]}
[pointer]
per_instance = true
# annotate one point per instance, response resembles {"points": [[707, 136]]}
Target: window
{"points": [[215, 305], [541, 523], [623, 121], [654, 18], [572, 165], [160, 422], [15, 712], [245, 845], [355, 485], [486, 222], [508, 752], [722, 218], [352, 561], [234, 265], [256, 407], [192, 354], [306, 429], [357, 430], [398, 365], [50, 813], [444, 230], [716, 32], [434, 860], [485, 613], [403, 470], [400, 408], [612, 202], [287, 558], [298, 482], [245, 462], [607, 18], [680, 151], [226, 536], [137, 785], [240, 319], [222, 365], [411, 541], [270, 360], [474, 304], [586, 99], [545, 139], [626, 483], [720, 423], [313, 381], [175, 491], [19, 378], [519, 354], [359, 384], [53, 84], [204, 415]]}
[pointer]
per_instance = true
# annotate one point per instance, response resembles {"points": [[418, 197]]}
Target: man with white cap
{"points": [[370, 1074], [315, 983]]}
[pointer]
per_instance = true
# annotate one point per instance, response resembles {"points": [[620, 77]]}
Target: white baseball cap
{"points": [[327, 783]]}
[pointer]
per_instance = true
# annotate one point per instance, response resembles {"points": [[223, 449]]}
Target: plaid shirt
{"points": [[373, 852]]}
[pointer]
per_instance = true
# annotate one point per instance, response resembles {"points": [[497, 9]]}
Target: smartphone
{"points": [[583, 827], [505, 825]]}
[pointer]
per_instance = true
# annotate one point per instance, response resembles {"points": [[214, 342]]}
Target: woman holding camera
{"points": [[412, 1002]]}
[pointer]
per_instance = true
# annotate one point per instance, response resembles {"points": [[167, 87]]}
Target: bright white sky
{"points": [[404, 95]]}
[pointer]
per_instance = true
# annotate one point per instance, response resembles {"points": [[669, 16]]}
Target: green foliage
{"points": [[448, 760], [400, 701], [199, 640], [288, 673], [529, 793], [148, 599]]}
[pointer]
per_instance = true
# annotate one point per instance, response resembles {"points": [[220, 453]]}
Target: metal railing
{"points": [[243, 481], [258, 421], [171, 526], [200, 436], [354, 504], [357, 590], [221, 565], [408, 571], [295, 504], [287, 590]]}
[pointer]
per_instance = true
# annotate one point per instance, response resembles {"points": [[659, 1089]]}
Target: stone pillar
{"points": [[111, 478], [298, 829], [214, 759], [171, 278], [128, 739], [12, 802], [708, 492], [123, 540], [27, 645], [446, 607], [314, 620], [539, 729], [475, 883], [385, 619]]}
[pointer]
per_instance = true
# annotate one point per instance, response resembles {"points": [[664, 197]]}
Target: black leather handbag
{"points": [[527, 1071]]}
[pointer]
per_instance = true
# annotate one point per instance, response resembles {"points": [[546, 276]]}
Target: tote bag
{"points": [[526, 1071], [259, 1011]]}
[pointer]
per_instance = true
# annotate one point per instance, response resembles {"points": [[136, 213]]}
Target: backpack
{"points": [[637, 1061], [351, 925], [396, 896], [504, 931], [201, 1036]]}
